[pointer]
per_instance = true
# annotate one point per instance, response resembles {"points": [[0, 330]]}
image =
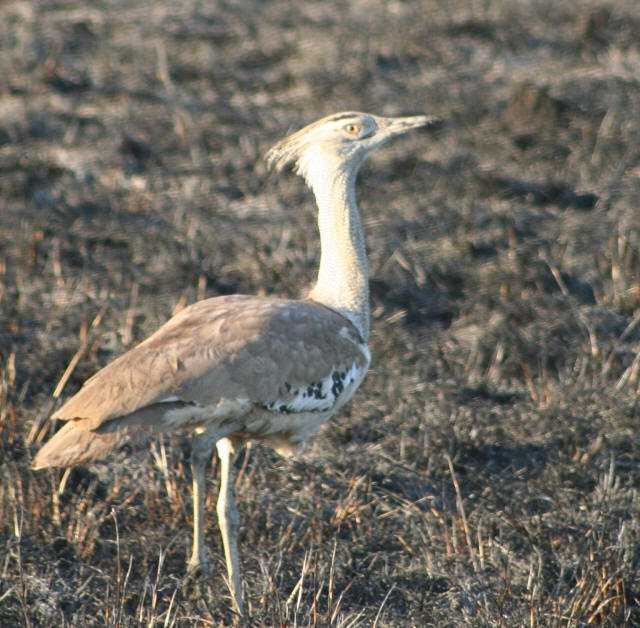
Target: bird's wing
{"points": [[240, 351]]}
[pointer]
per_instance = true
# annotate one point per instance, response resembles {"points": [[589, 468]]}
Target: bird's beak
{"points": [[396, 126]]}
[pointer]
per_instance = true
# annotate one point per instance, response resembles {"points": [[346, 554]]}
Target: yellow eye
{"points": [[352, 129]]}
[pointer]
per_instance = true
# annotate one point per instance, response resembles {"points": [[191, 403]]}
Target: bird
{"points": [[235, 369]]}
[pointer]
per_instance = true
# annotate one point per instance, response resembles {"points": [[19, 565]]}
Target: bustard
{"points": [[236, 368]]}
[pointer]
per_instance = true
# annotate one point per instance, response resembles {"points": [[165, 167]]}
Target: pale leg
{"points": [[228, 519], [202, 447]]}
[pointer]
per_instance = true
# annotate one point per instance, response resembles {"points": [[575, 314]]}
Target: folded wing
{"points": [[216, 359]]}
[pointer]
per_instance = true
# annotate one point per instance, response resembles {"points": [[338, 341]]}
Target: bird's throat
{"points": [[343, 277]]}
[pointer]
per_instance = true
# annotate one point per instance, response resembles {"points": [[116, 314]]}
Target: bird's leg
{"points": [[228, 519], [202, 447]]}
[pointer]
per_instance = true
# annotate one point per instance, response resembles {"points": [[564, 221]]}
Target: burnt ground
{"points": [[487, 472]]}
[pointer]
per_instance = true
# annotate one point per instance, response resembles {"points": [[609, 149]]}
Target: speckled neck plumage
{"points": [[343, 278]]}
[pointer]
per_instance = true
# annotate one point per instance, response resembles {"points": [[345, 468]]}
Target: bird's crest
{"points": [[288, 150]]}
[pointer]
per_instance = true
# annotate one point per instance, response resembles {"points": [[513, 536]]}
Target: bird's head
{"points": [[341, 141]]}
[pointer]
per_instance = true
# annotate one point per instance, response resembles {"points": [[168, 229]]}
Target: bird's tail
{"points": [[73, 445]]}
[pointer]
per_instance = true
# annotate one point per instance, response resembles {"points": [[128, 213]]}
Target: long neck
{"points": [[343, 277]]}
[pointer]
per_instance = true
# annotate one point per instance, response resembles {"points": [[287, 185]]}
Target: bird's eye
{"points": [[352, 128]]}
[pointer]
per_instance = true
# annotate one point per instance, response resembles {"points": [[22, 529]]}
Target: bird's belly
{"points": [[285, 433]]}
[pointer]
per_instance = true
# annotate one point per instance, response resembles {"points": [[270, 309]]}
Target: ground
{"points": [[487, 471]]}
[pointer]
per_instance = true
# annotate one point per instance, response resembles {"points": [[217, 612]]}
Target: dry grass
{"points": [[488, 471]]}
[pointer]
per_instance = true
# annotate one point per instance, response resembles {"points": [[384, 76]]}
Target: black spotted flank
{"points": [[338, 383], [315, 391], [272, 406]]}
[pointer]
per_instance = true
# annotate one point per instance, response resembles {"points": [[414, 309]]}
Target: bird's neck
{"points": [[343, 277]]}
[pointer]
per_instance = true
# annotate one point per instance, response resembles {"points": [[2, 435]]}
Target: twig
{"points": [[85, 341], [630, 375], [386, 597], [463, 516], [593, 338]]}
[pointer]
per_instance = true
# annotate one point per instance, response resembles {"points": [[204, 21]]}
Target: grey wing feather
{"points": [[237, 347]]}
